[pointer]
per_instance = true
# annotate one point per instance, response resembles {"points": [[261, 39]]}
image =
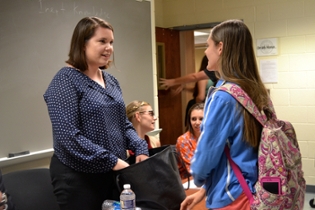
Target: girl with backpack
{"points": [[230, 53]]}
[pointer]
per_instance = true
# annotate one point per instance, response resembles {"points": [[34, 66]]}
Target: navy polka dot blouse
{"points": [[90, 127]]}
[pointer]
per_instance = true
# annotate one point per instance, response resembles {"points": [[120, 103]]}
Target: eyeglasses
{"points": [[151, 112]]}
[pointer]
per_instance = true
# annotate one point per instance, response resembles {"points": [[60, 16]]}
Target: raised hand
{"points": [[166, 83]]}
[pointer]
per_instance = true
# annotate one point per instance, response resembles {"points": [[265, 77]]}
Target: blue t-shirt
{"points": [[90, 127]]}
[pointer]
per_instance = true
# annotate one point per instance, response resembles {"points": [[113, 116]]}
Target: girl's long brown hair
{"points": [[238, 65]]}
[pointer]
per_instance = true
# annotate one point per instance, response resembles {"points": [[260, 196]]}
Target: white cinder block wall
{"points": [[293, 23]]}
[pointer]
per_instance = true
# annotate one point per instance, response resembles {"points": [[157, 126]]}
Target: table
{"points": [[192, 189]]}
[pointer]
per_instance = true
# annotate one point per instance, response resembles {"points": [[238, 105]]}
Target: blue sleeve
{"points": [[216, 127]]}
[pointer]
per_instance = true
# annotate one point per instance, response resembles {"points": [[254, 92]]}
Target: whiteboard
{"points": [[34, 43]]}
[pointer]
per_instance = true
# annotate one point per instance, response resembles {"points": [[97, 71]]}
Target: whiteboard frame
{"points": [[5, 161]]}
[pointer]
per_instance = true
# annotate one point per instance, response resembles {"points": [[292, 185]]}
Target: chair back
{"points": [[31, 189]]}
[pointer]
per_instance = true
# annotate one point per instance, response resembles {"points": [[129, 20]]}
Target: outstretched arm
{"points": [[193, 77], [178, 89]]}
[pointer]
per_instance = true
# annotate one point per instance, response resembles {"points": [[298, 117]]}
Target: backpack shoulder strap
{"points": [[241, 96], [239, 175]]}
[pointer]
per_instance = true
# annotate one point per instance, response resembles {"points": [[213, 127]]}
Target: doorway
{"points": [[192, 47]]}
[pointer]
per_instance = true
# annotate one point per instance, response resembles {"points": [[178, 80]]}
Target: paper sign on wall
{"points": [[269, 71], [266, 47]]}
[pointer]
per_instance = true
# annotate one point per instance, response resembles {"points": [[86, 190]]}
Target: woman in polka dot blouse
{"points": [[91, 132]]}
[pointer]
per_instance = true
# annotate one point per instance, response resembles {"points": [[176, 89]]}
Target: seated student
{"points": [[5, 201], [141, 115], [187, 143]]}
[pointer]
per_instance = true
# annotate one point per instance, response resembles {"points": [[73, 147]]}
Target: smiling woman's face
{"points": [[196, 118], [213, 53], [147, 118], [99, 47]]}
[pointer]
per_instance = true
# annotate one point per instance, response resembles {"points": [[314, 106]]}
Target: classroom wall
{"points": [[39, 163], [292, 22]]}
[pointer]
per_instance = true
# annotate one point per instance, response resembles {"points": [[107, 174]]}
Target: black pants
{"points": [[77, 190]]}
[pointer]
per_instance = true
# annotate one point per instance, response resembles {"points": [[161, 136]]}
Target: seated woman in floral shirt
{"points": [[187, 143]]}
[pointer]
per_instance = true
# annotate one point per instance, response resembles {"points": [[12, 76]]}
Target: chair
{"points": [[31, 189], [180, 162]]}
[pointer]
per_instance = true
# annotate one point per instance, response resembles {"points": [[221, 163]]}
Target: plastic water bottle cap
{"points": [[126, 186]]}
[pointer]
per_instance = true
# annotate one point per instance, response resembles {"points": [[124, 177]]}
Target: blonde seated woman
{"points": [[141, 115]]}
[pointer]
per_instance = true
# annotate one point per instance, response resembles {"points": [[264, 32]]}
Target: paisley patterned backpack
{"points": [[279, 160]]}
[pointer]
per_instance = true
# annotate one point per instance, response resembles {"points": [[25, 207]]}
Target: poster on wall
{"points": [[267, 47], [269, 71]]}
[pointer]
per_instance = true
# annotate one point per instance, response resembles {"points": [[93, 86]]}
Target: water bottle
{"points": [[110, 205], [127, 198]]}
